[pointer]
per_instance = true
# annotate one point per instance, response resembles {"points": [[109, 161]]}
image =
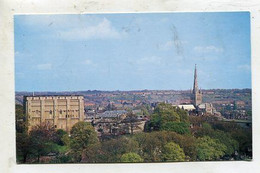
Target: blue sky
{"points": [[132, 51]]}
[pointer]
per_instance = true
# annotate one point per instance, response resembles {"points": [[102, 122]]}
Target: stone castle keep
{"points": [[62, 112]]}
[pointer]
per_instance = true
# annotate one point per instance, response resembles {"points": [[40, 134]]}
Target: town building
{"points": [[196, 93], [61, 112], [196, 97]]}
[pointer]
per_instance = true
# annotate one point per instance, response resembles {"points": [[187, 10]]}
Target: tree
{"points": [[113, 149], [83, 138], [167, 112], [169, 118], [132, 121], [173, 152], [23, 147], [150, 145], [60, 133], [209, 149], [131, 157], [21, 124], [178, 127], [225, 138], [41, 139]]}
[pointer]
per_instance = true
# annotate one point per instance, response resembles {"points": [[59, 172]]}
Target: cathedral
{"points": [[196, 93], [196, 97]]}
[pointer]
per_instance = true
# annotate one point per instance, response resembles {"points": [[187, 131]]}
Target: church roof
{"points": [[188, 107]]}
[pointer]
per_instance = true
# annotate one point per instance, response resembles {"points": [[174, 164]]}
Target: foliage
{"points": [[41, 139], [20, 118], [60, 133], [169, 139], [23, 147], [151, 144], [244, 138], [173, 152], [83, 138], [225, 138], [132, 122], [168, 117], [113, 149], [166, 112], [209, 149], [131, 157], [178, 127]]}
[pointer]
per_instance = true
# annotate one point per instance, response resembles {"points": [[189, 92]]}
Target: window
{"points": [[50, 111], [60, 111]]}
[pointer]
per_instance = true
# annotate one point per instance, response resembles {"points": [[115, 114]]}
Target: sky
{"points": [[134, 51]]}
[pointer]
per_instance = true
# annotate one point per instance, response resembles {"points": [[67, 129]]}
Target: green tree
{"points": [[178, 127], [83, 138], [231, 144], [167, 117], [150, 145], [60, 133], [173, 152], [20, 118], [209, 149], [131, 158], [113, 149], [23, 147], [132, 122], [42, 139]]}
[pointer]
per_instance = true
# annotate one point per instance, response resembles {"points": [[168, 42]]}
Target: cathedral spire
{"points": [[195, 85], [197, 95]]}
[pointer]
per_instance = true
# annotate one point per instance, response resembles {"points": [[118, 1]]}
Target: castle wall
{"points": [[60, 111]]}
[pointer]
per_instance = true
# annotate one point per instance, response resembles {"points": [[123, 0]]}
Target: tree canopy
{"points": [[131, 158], [83, 137], [173, 152]]}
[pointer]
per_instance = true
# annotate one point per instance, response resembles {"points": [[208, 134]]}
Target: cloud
{"points": [[44, 66], [154, 60], [244, 67], [88, 62], [102, 30], [207, 49]]}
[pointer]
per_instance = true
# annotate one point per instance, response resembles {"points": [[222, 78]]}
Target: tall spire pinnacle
{"points": [[197, 95], [195, 85]]}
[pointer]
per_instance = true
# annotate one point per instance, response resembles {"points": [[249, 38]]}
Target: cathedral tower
{"points": [[196, 93]]}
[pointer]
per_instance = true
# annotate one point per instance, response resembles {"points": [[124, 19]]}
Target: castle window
{"points": [[50, 111], [60, 111]]}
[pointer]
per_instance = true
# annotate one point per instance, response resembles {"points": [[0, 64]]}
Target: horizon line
{"points": [[140, 90]]}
